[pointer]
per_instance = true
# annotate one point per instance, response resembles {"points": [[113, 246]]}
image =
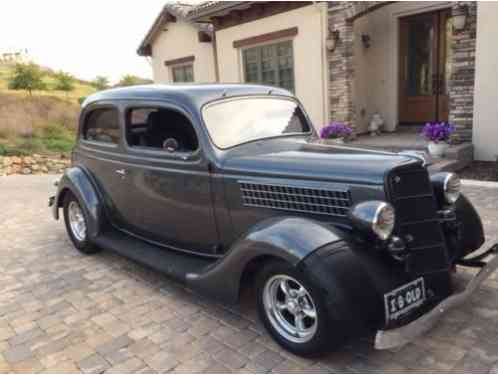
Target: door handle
{"points": [[121, 172]]}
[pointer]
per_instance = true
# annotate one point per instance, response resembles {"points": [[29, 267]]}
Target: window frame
{"points": [[136, 151], [182, 66], [309, 133], [88, 111], [259, 46]]}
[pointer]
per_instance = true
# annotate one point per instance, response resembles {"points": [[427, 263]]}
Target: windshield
{"points": [[235, 121]]}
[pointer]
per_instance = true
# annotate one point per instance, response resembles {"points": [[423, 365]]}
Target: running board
{"points": [[173, 263]]}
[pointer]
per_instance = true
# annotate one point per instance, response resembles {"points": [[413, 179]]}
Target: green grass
{"points": [[57, 138], [52, 138]]}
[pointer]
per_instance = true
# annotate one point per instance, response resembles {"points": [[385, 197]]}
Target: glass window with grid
{"points": [[183, 73], [271, 64]]}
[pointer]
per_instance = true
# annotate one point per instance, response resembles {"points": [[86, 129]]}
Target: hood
{"points": [[299, 159]]}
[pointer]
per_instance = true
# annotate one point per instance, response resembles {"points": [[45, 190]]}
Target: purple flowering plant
{"points": [[437, 131], [335, 130]]}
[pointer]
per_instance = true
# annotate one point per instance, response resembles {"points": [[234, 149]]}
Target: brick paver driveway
{"points": [[62, 311]]}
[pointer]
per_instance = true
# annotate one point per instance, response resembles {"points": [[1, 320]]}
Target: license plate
{"points": [[402, 300]]}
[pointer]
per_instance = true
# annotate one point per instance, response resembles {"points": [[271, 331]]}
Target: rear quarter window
{"points": [[102, 125]]}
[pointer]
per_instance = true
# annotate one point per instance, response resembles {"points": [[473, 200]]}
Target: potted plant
{"points": [[438, 134], [336, 132]]}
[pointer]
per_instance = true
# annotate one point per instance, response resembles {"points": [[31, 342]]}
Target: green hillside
{"points": [[82, 88], [42, 123]]}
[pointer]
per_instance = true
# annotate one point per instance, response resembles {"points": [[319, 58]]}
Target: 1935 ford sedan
{"points": [[225, 186]]}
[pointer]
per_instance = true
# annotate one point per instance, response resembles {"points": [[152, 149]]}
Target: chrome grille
{"points": [[294, 198]]}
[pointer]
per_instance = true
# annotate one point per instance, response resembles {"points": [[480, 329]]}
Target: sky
{"points": [[83, 37]]}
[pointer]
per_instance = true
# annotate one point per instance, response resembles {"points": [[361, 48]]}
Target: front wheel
{"points": [[293, 311], [77, 224]]}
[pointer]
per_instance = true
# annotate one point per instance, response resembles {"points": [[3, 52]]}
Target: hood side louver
{"points": [[294, 198]]}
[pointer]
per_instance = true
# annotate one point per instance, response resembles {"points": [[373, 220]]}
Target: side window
{"points": [[271, 64], [160, 129], [102, 125], [183, 73]]}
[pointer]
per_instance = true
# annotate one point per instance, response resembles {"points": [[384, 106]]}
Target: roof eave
{"points": [[204, 15], [145, 49]]}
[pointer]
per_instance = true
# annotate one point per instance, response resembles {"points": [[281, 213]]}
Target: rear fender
{"points": [[287, 238], [77, 181]]}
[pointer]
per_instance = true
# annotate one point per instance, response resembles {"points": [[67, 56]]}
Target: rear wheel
{"points": [[77, 224], [293, 311]]}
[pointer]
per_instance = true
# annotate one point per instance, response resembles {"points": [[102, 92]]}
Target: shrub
{"points": [[28, 146], [100, 83], [130, 80], [56, 137], [3, 150], [59, 145], [63, 81], [55, 131], [8, 150], [27, 77]]}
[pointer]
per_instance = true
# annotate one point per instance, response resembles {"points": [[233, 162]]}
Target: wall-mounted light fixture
{"points": [[332, 40], [366, 40], [459, 17]]}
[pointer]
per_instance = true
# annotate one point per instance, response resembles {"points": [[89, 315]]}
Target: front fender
{"points": [[288, 238], [77, 181], [471, 235]]}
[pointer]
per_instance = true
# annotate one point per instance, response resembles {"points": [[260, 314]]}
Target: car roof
{"points": [[189, 94]]}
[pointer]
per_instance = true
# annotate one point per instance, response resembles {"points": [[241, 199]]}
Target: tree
{"points": [[129, 80], [64, 82], [27, 77], [100, 83]]}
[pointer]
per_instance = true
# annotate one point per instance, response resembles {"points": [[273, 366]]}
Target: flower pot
{"points": [[437, 150]]}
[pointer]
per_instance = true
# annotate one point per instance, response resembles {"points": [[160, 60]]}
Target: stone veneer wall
{"points": [[35, 164], [461, 85], [341, 68]]}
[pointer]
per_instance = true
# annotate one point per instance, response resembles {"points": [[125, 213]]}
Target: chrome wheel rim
{"points": [[77, 221], [290, 308]]}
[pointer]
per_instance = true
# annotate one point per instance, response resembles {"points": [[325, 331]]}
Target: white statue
{"points": [[376, 123]]}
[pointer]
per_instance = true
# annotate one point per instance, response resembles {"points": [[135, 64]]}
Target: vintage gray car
{"points": [[226, 186]]}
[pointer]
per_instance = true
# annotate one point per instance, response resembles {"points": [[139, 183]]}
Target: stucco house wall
{"points": [[485, 129], [180, 39], [308, 49]]}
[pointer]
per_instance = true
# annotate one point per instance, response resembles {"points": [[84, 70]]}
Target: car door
{"points": [[99, 152], [167, 193]]}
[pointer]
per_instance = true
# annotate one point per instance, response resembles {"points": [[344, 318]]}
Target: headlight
{"points": [[375, 216], [446, 186], [451, 188]]}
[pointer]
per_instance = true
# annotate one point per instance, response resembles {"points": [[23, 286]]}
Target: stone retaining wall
{"points": [[35, 164]]}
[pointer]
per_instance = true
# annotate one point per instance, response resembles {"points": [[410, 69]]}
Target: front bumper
{"points": [[386, 339]]}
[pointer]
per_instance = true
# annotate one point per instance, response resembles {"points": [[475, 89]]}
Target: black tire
{"points": [[324, 339], [82, 245]]}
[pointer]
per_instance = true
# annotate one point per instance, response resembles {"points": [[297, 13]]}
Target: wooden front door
{"points": [[424, 69]]}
